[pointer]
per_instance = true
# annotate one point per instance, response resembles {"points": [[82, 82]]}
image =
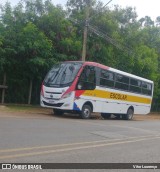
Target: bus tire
{"points": [[86, 112], [106, 115], [129, 115], [58, 112]]}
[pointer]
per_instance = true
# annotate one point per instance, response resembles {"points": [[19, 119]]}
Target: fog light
{"points": [[66, 105]]}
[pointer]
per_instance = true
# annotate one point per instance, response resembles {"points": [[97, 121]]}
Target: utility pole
{"points": [[85, 32]]}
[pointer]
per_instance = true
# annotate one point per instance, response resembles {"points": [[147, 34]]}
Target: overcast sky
{"points": [[143, 7]]}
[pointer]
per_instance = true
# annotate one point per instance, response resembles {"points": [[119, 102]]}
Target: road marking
{"points": [[76, 148], [72, 144]]}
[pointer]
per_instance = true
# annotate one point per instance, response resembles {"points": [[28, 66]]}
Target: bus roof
{"points": [[117, 71], [130, 75], [112, 69]]}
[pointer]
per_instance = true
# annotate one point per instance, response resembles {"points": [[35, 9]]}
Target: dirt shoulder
{"points": [[24, 111], [151, 116]]}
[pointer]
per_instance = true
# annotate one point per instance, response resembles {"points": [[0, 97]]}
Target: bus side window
{"points": [[87, 80], [122, 82], [135, 85], [146, 88], [107, 78]]}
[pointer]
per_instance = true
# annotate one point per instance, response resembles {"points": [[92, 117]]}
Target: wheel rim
{"points": [[130, 114], [86, 112]]}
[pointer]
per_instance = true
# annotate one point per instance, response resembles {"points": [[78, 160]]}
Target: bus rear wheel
{"points": [[106, 115], [129, 115], [86, 112]]}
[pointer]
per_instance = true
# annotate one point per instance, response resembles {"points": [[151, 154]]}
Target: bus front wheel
{"points": [[86, 112], [129, 115]]}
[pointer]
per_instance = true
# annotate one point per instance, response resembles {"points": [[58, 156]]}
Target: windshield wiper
{"points": [[63, 76]]}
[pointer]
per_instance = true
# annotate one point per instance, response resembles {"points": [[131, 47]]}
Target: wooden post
{"points": [[3, 90], [85, 33], [30, 92]]}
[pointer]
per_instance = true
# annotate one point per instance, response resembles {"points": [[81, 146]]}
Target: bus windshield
{"points": [[62, 74]]}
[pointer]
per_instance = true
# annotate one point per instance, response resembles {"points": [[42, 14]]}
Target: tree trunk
{"points": [[3, 90], [30, 92]]}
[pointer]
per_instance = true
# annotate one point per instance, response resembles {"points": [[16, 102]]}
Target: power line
{"points": [[111, 40], [99, 11]]}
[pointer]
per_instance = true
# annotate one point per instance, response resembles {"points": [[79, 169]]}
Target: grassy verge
{"points": [[21, 108]]}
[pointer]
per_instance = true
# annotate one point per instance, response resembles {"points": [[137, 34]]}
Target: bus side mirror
{"points": [[79, 86]]}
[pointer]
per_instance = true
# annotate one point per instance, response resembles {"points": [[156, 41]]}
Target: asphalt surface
{"points": [[41, 137]]}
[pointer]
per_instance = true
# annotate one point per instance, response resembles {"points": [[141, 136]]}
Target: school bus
{"points": [[87, 87]]}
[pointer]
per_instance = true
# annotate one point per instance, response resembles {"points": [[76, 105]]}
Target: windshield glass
{"points": [[62, 74]]}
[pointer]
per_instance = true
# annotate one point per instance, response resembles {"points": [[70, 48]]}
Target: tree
{"points": [[7, 39], [35, 49]]}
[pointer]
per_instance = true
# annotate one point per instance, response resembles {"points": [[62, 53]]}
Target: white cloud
{"points": [[143, 7]]}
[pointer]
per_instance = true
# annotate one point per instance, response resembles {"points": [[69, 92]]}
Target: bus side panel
{"points": [[122, 107], [111, 104], [103, 101], [142, 109]]}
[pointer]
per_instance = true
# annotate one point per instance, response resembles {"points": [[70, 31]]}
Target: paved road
{"points": [[45, 138]]}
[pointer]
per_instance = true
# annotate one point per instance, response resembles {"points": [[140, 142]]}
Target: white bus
{"points": [[86, 87]]}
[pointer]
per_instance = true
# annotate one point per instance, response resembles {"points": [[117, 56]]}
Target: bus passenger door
{"points": [[87, 79], [86, 87]]}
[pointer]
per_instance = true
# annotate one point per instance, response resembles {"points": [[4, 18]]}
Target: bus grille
{"points": [[55, 105]]}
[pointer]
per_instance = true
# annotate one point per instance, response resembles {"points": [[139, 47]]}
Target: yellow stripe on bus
{"points": [[116, 96]]}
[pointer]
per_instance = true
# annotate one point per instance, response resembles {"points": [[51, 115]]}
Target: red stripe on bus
{"points": [[79, 93]]}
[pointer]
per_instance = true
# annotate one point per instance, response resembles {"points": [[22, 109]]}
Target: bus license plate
{"points": [[51, 101]]}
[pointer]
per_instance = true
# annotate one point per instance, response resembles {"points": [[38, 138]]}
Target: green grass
{"points": [[28, 109]]}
